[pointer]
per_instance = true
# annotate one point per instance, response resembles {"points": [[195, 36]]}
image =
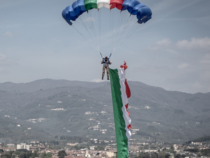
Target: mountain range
{"points": [[47, 108]]}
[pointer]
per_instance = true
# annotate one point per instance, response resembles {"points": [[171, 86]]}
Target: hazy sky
{"points": [[171, 51]]}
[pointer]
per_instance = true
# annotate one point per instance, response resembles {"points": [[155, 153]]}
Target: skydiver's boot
{"points": [[107, 78]]}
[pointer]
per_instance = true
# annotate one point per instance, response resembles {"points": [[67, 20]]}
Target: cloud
{"points": [[164, 42], [2, 57], [183, 65], [205, 59], [4, 61], [98, 80], [197, 85], [179, 65], [194, 43], [8, 34]]}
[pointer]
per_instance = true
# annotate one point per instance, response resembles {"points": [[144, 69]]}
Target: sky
{"points": [[172, 50]]}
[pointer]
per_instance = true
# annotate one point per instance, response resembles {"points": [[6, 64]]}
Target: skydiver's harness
{"points": [[105, 63]]}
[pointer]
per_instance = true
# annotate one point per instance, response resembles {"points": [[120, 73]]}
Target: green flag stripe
{"points": [[120, 125], [90, 4]]}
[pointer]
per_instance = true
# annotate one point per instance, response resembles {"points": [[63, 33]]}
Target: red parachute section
{"points": [[116, 4]]}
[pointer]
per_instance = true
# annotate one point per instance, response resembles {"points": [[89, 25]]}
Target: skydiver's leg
{"points": [[103, 71], [107, 71]]}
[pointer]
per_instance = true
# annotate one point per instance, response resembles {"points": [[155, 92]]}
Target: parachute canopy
{"points": [[134, 7]]}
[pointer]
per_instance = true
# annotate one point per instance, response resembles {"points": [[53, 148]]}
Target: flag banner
{"points": [[120, 94]]}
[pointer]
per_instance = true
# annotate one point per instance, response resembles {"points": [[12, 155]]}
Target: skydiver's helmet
{"points": [[106, 58]]}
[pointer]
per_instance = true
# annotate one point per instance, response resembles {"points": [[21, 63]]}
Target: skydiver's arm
{"points": [[102, 62], [110, 62]]}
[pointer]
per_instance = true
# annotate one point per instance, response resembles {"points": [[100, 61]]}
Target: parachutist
{"points": [[105, 61]]}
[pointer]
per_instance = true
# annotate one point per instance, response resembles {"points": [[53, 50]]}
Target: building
{"points": [[72, 144], [87, 155], [9, 149], [11, 145], [196, 143], [111, 153], [150, 151], [23, 146], [92, 147]]}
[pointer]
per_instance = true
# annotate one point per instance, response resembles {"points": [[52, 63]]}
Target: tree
{"points": [[167, 155], [49, 155], [99, 148], [62, 154], [6, 155], [195, 150], [205, 152], [46, 155], [143, 155], [43, 155]]}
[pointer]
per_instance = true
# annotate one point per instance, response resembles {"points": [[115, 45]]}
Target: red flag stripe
{"points": [[128, 91], [129, 126], [128, 113], [126, 106]]}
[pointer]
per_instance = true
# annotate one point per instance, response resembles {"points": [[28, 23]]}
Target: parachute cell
{"points": [[79, 7], [116, 4], [144, 14], [103, 3], [133, 6], [90, 4]]}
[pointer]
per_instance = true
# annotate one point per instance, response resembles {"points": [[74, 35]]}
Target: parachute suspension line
{"points": [[113, 48], [136, 27], [96, 28], [100, 16], [122, 30], [126, 24], [86, 39], [116, 30], [111, 24], [93, 41], [99, 20], [128, 35], [119, 28], [130, 23], [125, 34], [82, 22], [121, 22], [93, 28], [87, 25]]}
